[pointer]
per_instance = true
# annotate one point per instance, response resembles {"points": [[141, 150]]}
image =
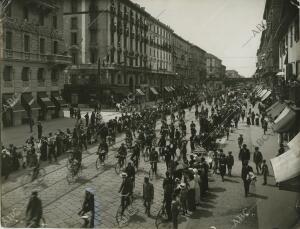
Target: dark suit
{"points": [[245, 172]]}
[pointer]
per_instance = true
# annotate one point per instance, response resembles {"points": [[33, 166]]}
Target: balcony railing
{"points": [[8, 83], [59, 59], [19, 55]]}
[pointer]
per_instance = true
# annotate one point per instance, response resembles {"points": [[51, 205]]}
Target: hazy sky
{"points": [[221, 27]]}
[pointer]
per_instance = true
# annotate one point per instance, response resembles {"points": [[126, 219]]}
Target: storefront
{"points": [[12, 110], [47, 111], [59, 102], [31, 107], [153, 94]]}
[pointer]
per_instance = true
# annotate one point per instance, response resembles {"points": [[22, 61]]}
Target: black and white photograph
{"points": [[150, 114]]}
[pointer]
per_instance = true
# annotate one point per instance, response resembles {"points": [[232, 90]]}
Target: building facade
{"points": [[232, 74], [33, 59], [198, 64], [213, 66]]}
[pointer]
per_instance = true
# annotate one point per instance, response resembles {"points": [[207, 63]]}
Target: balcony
{"points": [[59, 59], [8, 84]]}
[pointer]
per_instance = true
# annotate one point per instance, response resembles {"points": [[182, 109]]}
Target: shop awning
{"points": [[285, 120], [58, 100], [172, 88], [276, 109], [139, 92], [286, 166], [45, 101], [262, 93], [167, 89], [295, 142], [28, 100], [13, 102], [266, 96], [154, 91]]}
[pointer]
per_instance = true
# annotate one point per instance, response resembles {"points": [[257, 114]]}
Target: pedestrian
{"points": [[168, 191], [257, 159], [197, 186], [248, 120], [175, 211], [246, 170], [240, 141], [191, 193], [229, 162], [88, 206], [183, 198], [51, 148], [281, 150], [265, 126], [34, 211], [148, 195], [252, 118], [257, 119], [244, 154], [40, 130], [222, 165], [265, 171], [86, 119], [31, 123]]}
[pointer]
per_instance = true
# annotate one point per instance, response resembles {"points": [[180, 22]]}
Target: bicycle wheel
{"points": [[122, 220], [117, 168], [161, 217], [70, 177], [151, 174], [27, 178], [41, 175], [98, 163]]}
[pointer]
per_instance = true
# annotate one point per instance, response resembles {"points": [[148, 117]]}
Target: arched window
{"points": [[7, 73], [25, 74], [40, 75], [54, 75]]}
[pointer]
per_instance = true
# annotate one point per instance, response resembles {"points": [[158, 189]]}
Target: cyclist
{"points": [[129, 170], [125, 190], [135, 156], [102, 151], [122, 153], [153, 160]]}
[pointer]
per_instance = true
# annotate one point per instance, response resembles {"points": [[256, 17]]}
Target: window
{"points": [[40, 75], [26, 43], [74, 23], [54, 22], [41, 18], [73, 38], [74, 58], [93, 57], [25, 74], [74, 5], [42, 45], [8, 40], [25, 13], [7, 73], [54, 75], [296, 34], [55, 47]]}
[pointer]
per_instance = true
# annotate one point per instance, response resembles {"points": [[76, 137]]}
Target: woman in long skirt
{"points": [[197, 186], [191, 194]]}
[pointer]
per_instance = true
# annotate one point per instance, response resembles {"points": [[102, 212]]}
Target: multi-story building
{"points": [[267, 53], [132, 49], [232, 74], [213, 66], [223, 71], [32, 59], [198, 64], [181, 59]]}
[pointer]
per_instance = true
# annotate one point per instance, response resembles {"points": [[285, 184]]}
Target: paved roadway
{"points": [[222, 208]]}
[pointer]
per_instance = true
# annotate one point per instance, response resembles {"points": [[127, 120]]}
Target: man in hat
{"points": [[148, 195], [244, 154], [168, 190], [246, 169], [240, 141], [34, 211], [229, 162], [257, 159]]}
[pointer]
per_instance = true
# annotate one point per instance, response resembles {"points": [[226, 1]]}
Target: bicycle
{"points": [[122, 220], [101, 162], [35, 174], [152, 169], [74, 172], [120, 166], [161, 216]]}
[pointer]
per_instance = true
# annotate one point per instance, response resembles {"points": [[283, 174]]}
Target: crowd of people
{"points": [[186, 182]]}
